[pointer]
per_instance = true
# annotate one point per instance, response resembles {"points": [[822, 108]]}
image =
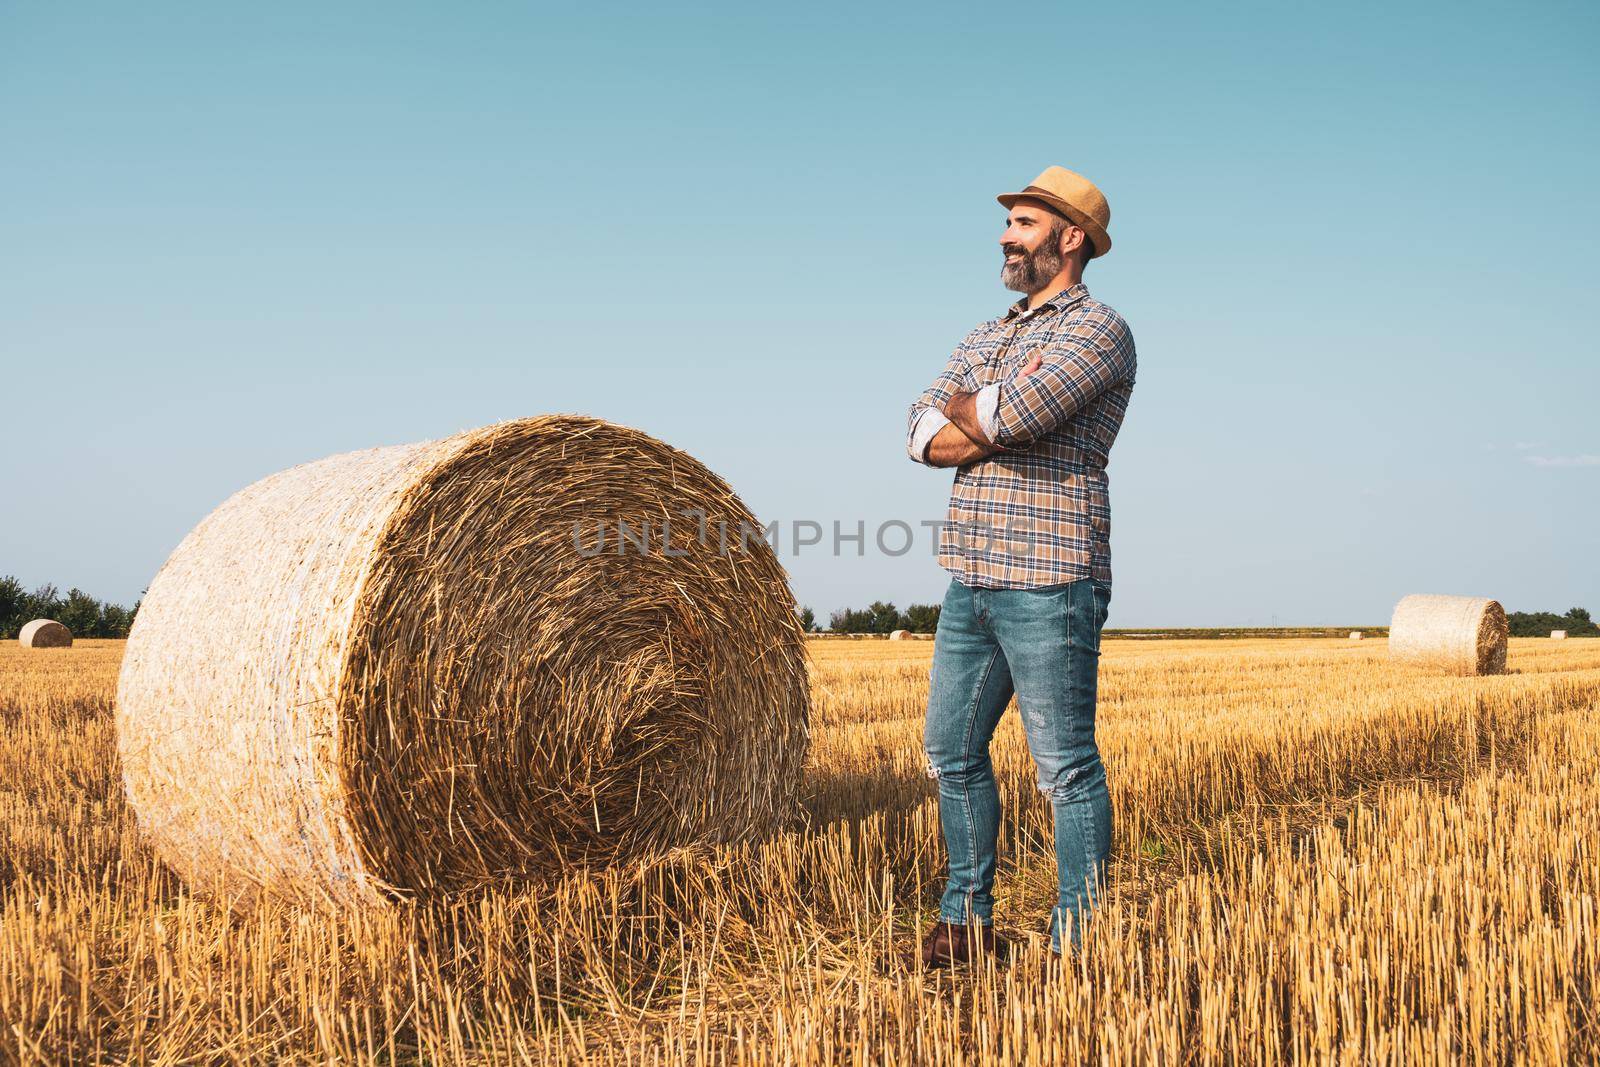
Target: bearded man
{"points": [[1026, 410]]}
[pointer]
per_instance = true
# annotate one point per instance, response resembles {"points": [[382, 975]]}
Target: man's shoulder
{"points": [[1103, 319], [1089, 307]]}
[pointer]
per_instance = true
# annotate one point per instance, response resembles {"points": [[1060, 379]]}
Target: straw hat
{"points": [[1076, 197]]}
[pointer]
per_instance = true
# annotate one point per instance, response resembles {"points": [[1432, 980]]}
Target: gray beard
{"points": [[1030, 274]]}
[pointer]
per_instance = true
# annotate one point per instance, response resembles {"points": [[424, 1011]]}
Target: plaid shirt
{"points": [[1038, 512]]}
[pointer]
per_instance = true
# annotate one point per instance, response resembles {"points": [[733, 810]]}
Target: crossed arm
{"points": [[953, 447], [961, 437], [951, 426]]}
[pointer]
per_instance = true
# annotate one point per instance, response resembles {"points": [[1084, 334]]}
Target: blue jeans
{"points": [[1043, 645]]}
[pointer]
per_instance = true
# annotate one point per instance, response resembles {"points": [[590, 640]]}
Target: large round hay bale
{"points": [[1558, 635], [438, 666], [1454, 634], [1356, 635], [899, 635], [44, 633]]}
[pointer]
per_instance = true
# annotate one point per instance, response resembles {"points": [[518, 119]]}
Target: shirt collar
{"points": [[1065, 298]]}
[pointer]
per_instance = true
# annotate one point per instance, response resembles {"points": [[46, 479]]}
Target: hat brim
{"points": [[1097, 233]]}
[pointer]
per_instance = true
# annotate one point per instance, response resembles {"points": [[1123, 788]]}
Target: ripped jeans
{"points": [[1042, 644]]}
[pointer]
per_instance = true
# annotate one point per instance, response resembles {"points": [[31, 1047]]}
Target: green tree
{"points": [[885, 618], [43, 603], [808, 620], [1576, 622], [922, 618], [80, 613], [850, 621], [114, 621], [13, 599]]}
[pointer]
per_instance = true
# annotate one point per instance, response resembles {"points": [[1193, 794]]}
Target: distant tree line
{"points": [[1539, 623], [877, 618], [881, 618], [77, 611]]}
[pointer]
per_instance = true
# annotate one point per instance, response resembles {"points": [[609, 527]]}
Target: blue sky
{"points": [[1353, 244]]}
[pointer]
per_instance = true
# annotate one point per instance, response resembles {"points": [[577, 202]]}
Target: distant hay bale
{"points": [[1558, 635], [44, 633], [434, 667], [1356, 635], [899, 635], [1454, 634]]}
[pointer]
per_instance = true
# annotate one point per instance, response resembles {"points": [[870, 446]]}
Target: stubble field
{"points": [[1318, 857]]}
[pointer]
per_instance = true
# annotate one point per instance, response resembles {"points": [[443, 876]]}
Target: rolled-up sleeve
{"points": [[926, 417], [1089, 355], [925, 426], [985, 405]]}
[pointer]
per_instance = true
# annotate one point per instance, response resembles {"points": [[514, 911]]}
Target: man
{"points": [[1026, 410]]}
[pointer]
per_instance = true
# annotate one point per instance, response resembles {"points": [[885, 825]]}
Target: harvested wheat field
{"points": [[1319, 856]]}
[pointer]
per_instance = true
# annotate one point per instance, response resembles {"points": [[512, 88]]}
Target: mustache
{"points": [[1011, 250]]}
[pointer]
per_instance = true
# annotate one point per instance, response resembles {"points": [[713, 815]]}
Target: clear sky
{"points": [[1354, 243]]}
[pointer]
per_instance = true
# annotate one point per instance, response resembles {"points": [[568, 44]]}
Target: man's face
{"points": [[1032, 247]]}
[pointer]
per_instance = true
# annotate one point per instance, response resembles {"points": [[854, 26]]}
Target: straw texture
{"points": [[436, 666], [1453, 634], [44, 633]]}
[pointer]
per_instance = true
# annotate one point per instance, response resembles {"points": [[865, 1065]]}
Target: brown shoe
{"points": [[952, 944]]}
